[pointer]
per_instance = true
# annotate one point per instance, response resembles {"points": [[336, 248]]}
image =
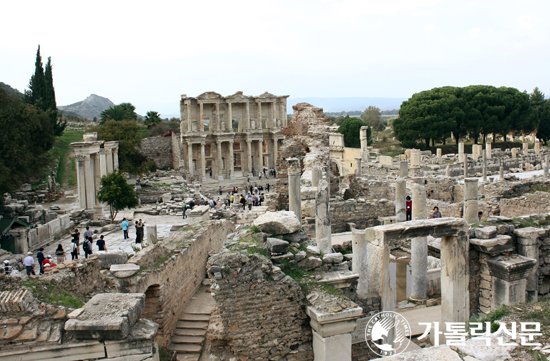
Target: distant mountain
{"points": [[88, 108], [11, 90], [347, 104]]}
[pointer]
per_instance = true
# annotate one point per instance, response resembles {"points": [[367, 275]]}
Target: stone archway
{"points": [[153, 303]]}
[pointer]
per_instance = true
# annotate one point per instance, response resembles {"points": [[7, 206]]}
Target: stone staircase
{"points": [[189, 336]]}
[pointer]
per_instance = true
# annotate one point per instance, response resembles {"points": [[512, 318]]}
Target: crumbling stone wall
{"points": [[169, 285], [83, 277], [363, 213], [159, 149], [535, 203], [260, 310]]}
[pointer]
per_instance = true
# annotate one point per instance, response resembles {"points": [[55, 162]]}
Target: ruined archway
{"points": [[153, 303]]}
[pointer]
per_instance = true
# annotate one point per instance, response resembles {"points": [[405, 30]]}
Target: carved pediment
{"points": [[267, 95], [209, 95]]}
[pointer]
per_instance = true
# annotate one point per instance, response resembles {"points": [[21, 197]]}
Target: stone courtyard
{"points": [[298, 277]]}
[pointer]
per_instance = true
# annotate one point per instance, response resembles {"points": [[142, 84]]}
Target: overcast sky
{"points": [[150, 52]]}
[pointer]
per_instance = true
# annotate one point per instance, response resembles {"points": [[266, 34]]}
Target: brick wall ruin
{"points": [[158, 149], [260, 314]]}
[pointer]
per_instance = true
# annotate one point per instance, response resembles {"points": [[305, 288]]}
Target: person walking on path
{"points": [[87, 247], [243, 202], [101, 243], [40, 257], [74, 250], [76, 236], [124, 226], [28, 262], [88, 233], [60, 253], [249, 201]]}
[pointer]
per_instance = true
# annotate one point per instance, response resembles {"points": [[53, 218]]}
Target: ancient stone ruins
{"points": [[296, 274]]}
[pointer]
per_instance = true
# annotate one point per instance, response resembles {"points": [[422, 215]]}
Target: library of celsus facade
{"points": [[224, 135]]}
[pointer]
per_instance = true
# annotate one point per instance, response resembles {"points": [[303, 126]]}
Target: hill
{"points": [[88, 108], [347, 104], [11, 90]]}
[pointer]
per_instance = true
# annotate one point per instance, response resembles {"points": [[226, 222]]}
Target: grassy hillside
{"points": [[66, 172]]}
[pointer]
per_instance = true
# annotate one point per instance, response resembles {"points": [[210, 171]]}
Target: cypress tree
{"points": [[50, 103], [37, 85]]}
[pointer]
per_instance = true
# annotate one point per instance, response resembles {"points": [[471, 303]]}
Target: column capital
{"points": [[82, 157]]}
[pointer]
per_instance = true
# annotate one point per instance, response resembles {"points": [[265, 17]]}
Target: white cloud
{"points": [[527, 22], [475, 32], [429, 27]]}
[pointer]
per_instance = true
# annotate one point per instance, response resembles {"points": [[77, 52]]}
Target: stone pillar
{"points": [[322, 217], [190, 155], [203, 162], [332, 333], [514, 152], [378, 261], [438, 152], [419, 247], [201, 122], [259, 116], [525, 148], [537, 146], [231, 161], [359, 261], [489, 150], [115, 158], [90, 183], [401, 279], [249, 154], [470, 200], [260, 154], [465, 166], [509, 279], [448, 171], [189, 122], [403, 169], [415, 158], [109, 158], [229, 125], [294, 193], [81, 179], [358, 171], [484, 165], [150, 233], [528, 246], [275, 151], [316, 175], [460, 152], [546, 166], [364, 143], [217, 127], [247, 115], [455, 279], [400, 195], [219, 161], [285, 121], [103, 154], [273, 120], [501, 173]]}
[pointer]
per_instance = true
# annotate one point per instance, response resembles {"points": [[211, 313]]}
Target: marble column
{"points": [[231, 161], [322, 217], [448, 171], [525, 148], [419, 247], [316, 175], [229, 124], [90, 183], [484, 165], [219, 161], [364, 143], [438, 152], [189, 122], [546, 166], [217, 127], [203, 162], [470, 200], [249, 154], [359, 263], [285, 121], [514, 153], [115, 158], [247, 115], [400, 195], [259, 126], [460, 152], [260, 154], [272, 121], [403, 169], [489, 150], [465, 166], [294, 193], [81, 179], [537, 146], [110, 163], [201, 122], [275, 152], [103, 154], [358, 171], [190, 156]]}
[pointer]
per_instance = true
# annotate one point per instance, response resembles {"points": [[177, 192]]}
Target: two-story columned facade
{"points": [[237, 133]]}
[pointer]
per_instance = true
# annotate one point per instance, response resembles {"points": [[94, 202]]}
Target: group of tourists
{"points": [[408, 210], [140, 226], [263, 173]]}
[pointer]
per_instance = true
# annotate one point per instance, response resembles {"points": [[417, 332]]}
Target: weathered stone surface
{"points": [[477, 347], [310, 263], [108, 258], [282, 222], [107, 316], [276, 246], [439, 353], [333, 258], [494, 246], [511, 268], [124, 270], [486, 232]]}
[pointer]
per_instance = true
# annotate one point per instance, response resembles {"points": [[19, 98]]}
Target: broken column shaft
{"points": [[400, 194], [470, 200], [294, 193], [322, 217]]}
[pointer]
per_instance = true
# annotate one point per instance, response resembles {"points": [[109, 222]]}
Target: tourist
{"points": [[479, 214], [234, 190], [237, 190], [87, 246], [267, 187], [249, 202], [74, 250], [212, 203], [88, 233], [251, 189], [436, 214], [183, 208], [41, 258], [220, 190], [60, 253], [408, 208], [255, 190], [243, 202], [231, 199], [7, 268], [139, 231], [261, 199], [228, 199], [219, 203], [248, 178], [28, 262], [101, 243], [253, 171], [76, 237], [124, 226], [260, 175], [49, 262]]}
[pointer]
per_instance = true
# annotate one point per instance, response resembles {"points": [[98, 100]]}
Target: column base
{"points": [[332, 348]]}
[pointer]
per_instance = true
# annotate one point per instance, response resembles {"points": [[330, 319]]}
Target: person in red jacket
{"points": [[408, 208]]}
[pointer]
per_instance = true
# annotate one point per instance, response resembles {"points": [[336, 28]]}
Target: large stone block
{"points": [[107, 316], [109, 258], [493, 246], [276, 246], [282, 222]]}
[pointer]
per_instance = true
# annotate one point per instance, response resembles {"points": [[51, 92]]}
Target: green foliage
{"points": [[351, 128], [152, 118], [58, 124], [25, 139], [117, 193], [128, 134], [66, 172], [431, 115], [492, 317], [254, 229], [541, 110], [53, 294], [372, 116], [123, 111], [160, 129]]}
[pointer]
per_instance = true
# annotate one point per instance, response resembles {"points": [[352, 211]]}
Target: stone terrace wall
{"points": [[159, 149], [363, 213], [535, 203], [170, 285], [260, 311]]}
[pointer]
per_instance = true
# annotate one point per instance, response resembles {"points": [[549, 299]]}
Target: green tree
{"points": [[351, 128], [152, 118], [50, 104], [128, 134], [25, 138], [372, 116], [544, 125], [123, 111], [37, 85], [117, 193]]}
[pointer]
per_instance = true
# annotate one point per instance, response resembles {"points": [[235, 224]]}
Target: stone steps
{"points": [[188, 357], [192, 324], [187, 339], [193, 317], [189, 332], [186, 348]]}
